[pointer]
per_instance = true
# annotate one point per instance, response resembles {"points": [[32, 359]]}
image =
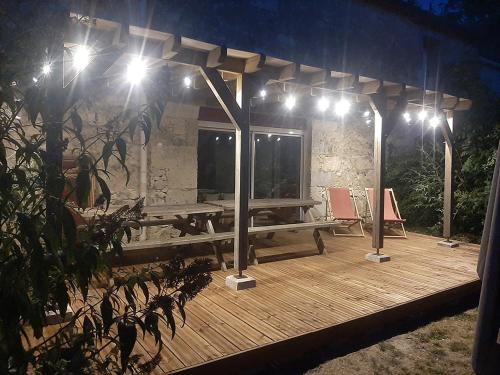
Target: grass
{"points": [[442, 347]]}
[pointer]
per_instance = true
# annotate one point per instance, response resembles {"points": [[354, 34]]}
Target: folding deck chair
{"points": [[392, 217], [342, 208]]}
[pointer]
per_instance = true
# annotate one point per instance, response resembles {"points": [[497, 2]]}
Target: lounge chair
{"points": [[392, 217], [342, 208]]}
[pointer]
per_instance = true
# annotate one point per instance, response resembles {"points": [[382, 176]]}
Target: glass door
{"points": [[277, 165]]}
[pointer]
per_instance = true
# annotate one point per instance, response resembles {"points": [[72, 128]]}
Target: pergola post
{"points": [[447, 128], [385, 120], [238, 111]]}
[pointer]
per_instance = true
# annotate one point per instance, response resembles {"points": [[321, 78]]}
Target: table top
{"points": [[257, 204], [181, 209]]}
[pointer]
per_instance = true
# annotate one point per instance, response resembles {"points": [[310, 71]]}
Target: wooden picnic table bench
{"points": [[280, 212]]}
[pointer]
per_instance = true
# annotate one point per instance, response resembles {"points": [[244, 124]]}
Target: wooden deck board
{"points": [[311, 297]]}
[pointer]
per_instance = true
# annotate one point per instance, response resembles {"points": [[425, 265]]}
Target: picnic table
{"points": [[280, 211], [194, 221]]}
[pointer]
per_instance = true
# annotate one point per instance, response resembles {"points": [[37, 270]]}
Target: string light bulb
{"points": [[434, 122], [136, 71], [422, 115], [342, 107], [188, 81], [323, 104], [263, 93], [46, 69], [81, 58], [290, 102], [407, 117]]}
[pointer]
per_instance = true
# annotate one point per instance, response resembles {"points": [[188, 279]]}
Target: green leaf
{"points": [[69, 225], [106, 314], [122, 149], [132, 126], [104, 190], [107, 151], [62, 298], [151, 323], [82, 188], [144, 289], [77, 121], [127, 336]]}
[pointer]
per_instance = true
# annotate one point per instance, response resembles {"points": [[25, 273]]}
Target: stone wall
{"points": [[341, 156]]}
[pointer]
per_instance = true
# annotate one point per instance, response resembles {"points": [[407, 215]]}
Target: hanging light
{"points": [[35, 79], [279, 139], [369, 121], [290, 102], [422, 115], [269, 136], [263, 93], [188, 81], [81, 58], [323, 104], [434, 122], [258, 139], [217, 138], [342, 107], [366, 113], [230, 137], [407, 117], [46, 69], [136, 71]]}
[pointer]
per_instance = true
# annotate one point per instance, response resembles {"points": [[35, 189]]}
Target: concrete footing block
{"points": [[448, 243], [378, 258], [242, 282]]}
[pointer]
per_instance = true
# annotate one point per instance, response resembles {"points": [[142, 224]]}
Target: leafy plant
{"points": [[53, 248]]}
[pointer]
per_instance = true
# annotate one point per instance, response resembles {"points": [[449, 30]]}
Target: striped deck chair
{"points": [[342, 208], [392, 217]]}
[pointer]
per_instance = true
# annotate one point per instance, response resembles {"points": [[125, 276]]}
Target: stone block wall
{"points": [[341, 156]]}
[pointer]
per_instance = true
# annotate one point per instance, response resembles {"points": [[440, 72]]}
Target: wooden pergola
{"points": [[235, 77]]}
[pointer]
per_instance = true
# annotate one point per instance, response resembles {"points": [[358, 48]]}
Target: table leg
{"points": [[216, 246], [320, 244]]}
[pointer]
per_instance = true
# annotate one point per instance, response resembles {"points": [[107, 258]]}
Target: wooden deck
{"points": [[312, 299]]}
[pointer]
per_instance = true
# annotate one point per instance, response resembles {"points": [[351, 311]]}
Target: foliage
{"points": [[50, 256], [476, 133]]}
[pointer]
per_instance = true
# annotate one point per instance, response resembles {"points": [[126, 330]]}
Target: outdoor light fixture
{"points": [[342, 107], [46, 69], [258, 139], [407, 117], [35, 79], [323, 104], [369, 121], [422, 115], [366, 113], [230, 137], [263, 93], [136, 71], [269, 136], [290, 102], [188, 81], [217, 138], [434, 122], [81, 58]]}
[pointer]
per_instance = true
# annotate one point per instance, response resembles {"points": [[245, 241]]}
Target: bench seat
{"points": [[178, 241], [290, 227]]}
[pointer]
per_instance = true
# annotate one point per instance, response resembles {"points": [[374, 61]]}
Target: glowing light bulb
{"points": [[217, 138], [188, 81], [230, 137], [136, 71], [422, 115], [366, 113], [434, 122], [323, 104], [263, 93], [279, 139], [46, 69], [81, 58], [342, 107], [290, 102], [407, 117]]}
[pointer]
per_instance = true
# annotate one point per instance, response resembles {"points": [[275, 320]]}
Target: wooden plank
{"points": [[255, 204], [178, 241]]}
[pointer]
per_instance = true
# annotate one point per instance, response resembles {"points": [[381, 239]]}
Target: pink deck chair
{"points": [[342, 208], [392, 217]]}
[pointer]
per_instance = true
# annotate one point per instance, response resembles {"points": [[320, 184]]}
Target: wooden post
{"points": [[239, 116], [447, 128], [379, 143]]}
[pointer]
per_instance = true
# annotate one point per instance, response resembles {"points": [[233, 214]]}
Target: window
{"points": [[277, 166], [216, 154]]}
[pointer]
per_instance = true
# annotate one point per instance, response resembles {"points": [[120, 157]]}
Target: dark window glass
{"points": [[277, 166], [215, 165]]}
